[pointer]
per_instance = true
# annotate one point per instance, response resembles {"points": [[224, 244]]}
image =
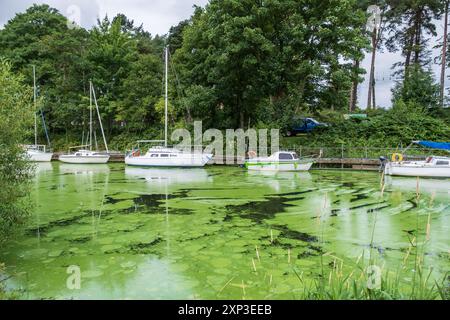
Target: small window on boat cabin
{"points": [[285, 156], [173, 155], [154, 155], [442, 163], [164, 155]]}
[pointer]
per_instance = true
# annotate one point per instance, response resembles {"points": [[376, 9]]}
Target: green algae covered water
{"points": [[217, 233]]}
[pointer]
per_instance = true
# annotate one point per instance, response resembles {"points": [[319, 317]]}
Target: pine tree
{"points": [[410, 25]]}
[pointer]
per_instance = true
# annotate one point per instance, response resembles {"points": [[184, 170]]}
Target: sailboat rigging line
{"points": [[45, 129], [90, 115], [99, 118], [34, 101], [166, 97], [179, 90]]}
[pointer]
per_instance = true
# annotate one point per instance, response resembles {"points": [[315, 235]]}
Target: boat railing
{"points": [[37, 147]]}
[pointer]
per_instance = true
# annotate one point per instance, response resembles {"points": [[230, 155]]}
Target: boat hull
{"points": [[279, 166], [96, 159], [416, 171], [185, 161], [39, 156]]}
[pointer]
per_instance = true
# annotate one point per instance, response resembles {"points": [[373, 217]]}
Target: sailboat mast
{"points": [[166, 97], [34, 101], [90, 115]]}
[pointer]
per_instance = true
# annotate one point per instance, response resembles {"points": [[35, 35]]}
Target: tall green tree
{"points": [[16, 115], [244, 53], [411, 24], [418, 88]]}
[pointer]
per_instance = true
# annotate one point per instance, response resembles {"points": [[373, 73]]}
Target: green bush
{"points": [[400, 125]]}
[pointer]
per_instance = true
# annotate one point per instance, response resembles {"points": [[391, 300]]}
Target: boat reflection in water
{"points": [[42, 167], [274, 178], [169, 176], [85, 169], [425, 185]]}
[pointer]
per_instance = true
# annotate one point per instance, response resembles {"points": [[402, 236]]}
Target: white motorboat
{"points": [[167, 157], [163, 156], [279, 161], [37, 153], [437, 167], [433, 166], [88, 156]]}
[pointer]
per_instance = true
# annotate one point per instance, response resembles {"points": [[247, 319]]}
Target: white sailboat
{"points": [[163, 156], [35, 152], [85, 154], [279, 161], [432, 167]]}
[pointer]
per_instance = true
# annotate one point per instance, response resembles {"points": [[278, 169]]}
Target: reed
{"points": [[352, 282]]}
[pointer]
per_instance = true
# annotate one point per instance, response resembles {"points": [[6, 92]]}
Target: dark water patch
{"points": [[295, 235], [260, 210], [334, 212], [359, 196], [316, 249], [153, 204], [412, 201], [366, 205], [81, 240], [57, 187], [57, 223], [144, 248], [378, 209], [213, 199], [307, 254], [297, 193], [111, 200], [348, 185]]}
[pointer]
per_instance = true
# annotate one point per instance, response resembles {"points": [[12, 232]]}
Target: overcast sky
{"points": [[158, 16]]}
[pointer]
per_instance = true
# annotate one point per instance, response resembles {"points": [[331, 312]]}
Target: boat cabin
{"points": [[163, 153], [438, 161], [284, 156]]}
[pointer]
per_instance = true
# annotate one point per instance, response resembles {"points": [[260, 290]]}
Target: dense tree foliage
{"points": [[233, 64], [15, 119]]}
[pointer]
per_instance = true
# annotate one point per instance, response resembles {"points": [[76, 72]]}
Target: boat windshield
{"points": [[285, 156]]}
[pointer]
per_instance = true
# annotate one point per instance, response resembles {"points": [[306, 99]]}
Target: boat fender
{"points": [[252, 154], [397, 157]]}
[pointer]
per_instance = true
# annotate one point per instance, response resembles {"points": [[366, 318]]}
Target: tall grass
{"points": [[354, 282]]}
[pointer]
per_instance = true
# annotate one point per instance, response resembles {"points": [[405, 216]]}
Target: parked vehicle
{"points": [[304, 125]]}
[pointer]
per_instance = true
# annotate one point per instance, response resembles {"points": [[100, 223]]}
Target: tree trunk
{"points": [[354, 90], [372, 69], [418, 36], [374, 100], [241, 120], [444, 54], [409, 49]]}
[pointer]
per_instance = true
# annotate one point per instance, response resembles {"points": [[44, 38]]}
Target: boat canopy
{"points": [[434, 145]]}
